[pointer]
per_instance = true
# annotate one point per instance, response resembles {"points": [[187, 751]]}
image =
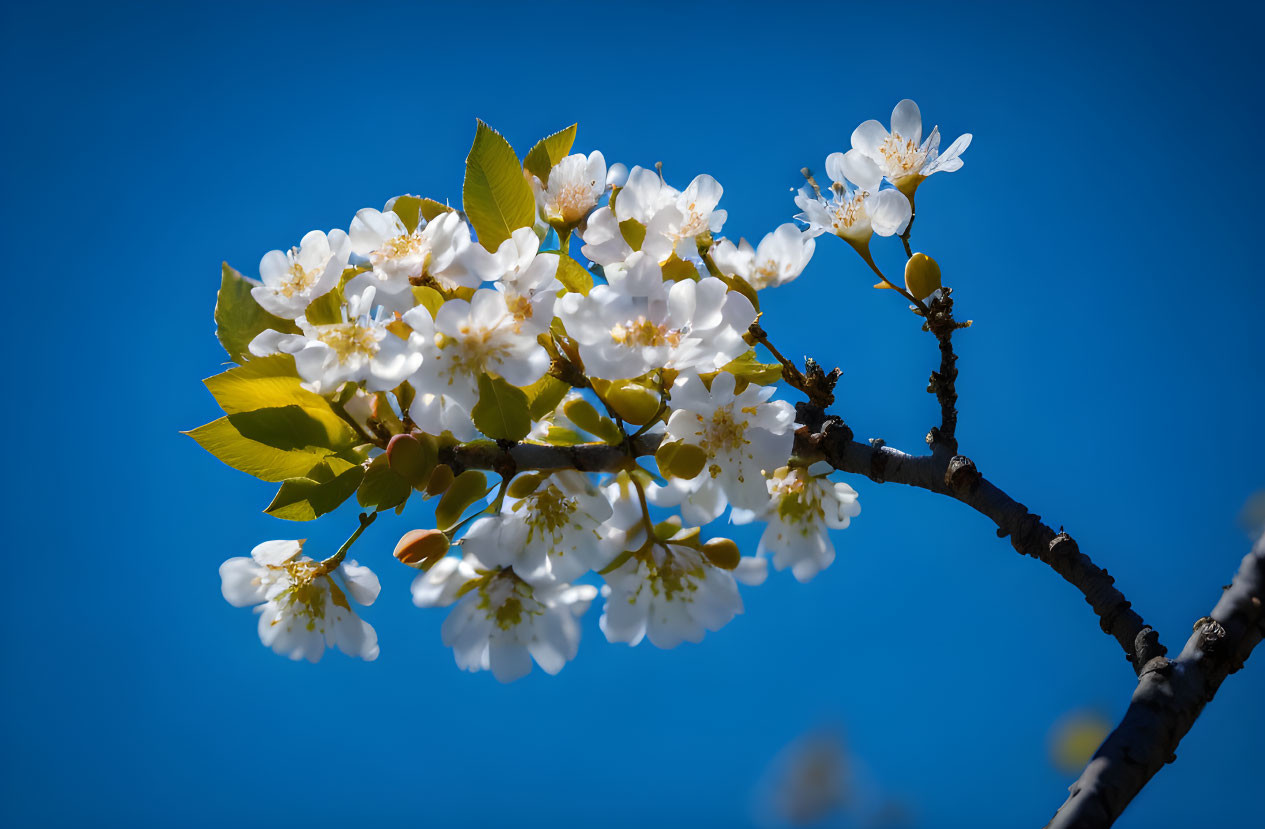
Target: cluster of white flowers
{"points": [[420, 316]]}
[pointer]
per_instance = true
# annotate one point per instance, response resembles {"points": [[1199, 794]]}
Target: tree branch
{"points": [[830, 439], [1169, 696]]}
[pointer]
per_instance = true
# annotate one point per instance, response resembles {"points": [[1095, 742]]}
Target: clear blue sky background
{"points": [[1104, 235]]}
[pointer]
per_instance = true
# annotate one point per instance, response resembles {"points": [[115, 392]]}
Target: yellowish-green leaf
{"points": [[263, 383], [544, 395], [239, 319], [747, 367], [502, 412], [574, 276], [634, 233], [221, 439], [321, 491], [382, 487], [428, 298], [412, 209], [582, 414], [466, 489], [295, 428], [497, 199], [548, 152]]}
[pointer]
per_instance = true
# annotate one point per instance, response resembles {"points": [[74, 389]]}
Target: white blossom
{"points": [[576, 184], [526, 277], [439, 249], [671, 219], [359, 349], [502, 623], [637, 323], [301, 607], [901, 156], [292, 279], [743, 435], [781, 256], [853, 214], [550, 535], [670, 593], [467, 339], [803, 505]]}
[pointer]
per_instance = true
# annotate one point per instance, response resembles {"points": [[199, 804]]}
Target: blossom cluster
{"points": [[376, 361]]}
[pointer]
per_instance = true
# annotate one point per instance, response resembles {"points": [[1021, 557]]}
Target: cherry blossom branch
{"points": [[586, 457], [957, 477], [943, 383], [827, 438], [1169, 696]]}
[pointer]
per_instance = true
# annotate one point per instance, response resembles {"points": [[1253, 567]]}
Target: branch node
{"points": [[962, 476]]}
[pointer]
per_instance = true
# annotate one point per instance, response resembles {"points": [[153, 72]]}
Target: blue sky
{"points": [[1102, 235]]}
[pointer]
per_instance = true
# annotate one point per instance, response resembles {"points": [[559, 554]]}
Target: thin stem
{"points": [[869, 260], [564, 242], [909, 228], [330, 564]]}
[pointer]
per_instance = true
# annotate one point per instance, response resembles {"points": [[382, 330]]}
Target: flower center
{"points": [[694, 222], [572, 200], [506, 599], [765, 273], [348, 340], [644, 332], [724, 432], [298, 280], [401, 247], [848, 212], [902, 156], [672, 578], [305, 598], [549, 509]]}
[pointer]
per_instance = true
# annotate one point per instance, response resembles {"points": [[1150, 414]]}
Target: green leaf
{"points": [[548, 152], [498, 200], [239, 319], [502, 412], [296, 428], [321, 491], [634, 233], [574, 276], [468, 488], [747, 367], [544, 395], [412, 209], [382, 488], [221, 439], [581, 412], [263, 383], [428, 298]]}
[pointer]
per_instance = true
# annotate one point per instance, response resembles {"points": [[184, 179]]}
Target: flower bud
{"points": [[680, 460], [633, 402], [413, 458], [420, 549], [922, 275], [723, 553]]}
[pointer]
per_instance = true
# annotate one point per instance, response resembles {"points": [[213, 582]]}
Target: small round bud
{"points": [[723, 553], [420, 549], [633, 402], [922, 276]]}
